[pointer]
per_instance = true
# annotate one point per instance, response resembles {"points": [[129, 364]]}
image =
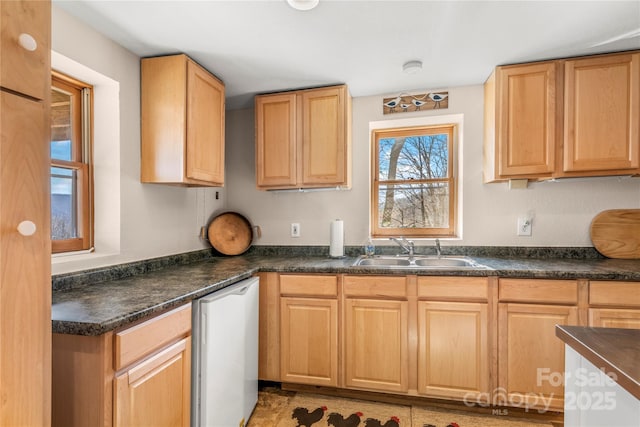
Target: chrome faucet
{"points": [[438, 250], [406, 245]]}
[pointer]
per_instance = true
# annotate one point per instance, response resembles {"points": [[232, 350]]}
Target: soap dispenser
{"points": [[369, 249]]}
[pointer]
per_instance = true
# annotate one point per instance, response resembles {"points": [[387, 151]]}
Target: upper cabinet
{"points": [[182, 123], [563, 118], [602, 114], [303, 139], [25, 48], [520, 120]]}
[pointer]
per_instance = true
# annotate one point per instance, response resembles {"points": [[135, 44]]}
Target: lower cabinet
{"points": [[453, 338], [133, 377], [376, 354], [531, 361], [309, 334], [309, 329], [614, 304], [156, 391], [482, 340], [614, 318], [530, 357]]}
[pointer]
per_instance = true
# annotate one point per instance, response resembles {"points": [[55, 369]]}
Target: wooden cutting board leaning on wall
{"points": [[230, 233], [616, 233]]}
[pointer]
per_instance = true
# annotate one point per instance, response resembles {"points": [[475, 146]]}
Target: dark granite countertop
{"points": [[96, 301], [616, 351]]}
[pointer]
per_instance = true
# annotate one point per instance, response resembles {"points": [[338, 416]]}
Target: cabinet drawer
{"points": [[141, 340], [459, 288], [619, 294], [308, 285], [375, 286], [534, 290]]}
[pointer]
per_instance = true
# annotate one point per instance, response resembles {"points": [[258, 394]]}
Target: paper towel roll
{"points": [[336, 244]]}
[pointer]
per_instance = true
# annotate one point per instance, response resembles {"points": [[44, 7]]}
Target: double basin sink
{"points": [[419, 262]]}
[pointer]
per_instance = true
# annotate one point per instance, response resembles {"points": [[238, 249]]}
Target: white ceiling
{"points": [[266, 46]]}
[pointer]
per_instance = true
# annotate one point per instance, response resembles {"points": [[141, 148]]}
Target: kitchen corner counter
{"points": [[93, 308], [90, 303], [96, 308], [615, 351]]}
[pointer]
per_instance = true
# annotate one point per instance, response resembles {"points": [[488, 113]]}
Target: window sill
{"points": [[72, 253], [80, 260]]}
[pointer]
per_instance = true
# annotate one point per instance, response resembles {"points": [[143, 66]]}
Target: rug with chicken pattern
{"points": [[324, 411], [308, 410]]}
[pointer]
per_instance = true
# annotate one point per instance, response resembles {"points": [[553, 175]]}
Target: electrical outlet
{"points": [[524, 226], [295, 229]]}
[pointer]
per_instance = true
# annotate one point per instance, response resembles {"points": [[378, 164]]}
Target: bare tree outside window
{"points": [[414, 187]]}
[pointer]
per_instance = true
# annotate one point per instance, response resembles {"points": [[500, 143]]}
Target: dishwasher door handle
{"points": [[239, 288], [243, 290]]}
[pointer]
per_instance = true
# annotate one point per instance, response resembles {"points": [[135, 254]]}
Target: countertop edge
{"points": [[233, 269], [568, 334]]}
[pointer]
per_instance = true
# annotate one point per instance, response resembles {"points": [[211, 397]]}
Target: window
{"points": [[414, 187], [71, 198]]}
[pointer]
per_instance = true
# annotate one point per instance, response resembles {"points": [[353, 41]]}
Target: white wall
{"points": [[563, 210], [154, 220]]}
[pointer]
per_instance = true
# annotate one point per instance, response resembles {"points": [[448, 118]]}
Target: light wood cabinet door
{"points": [[526, 119], [182, 123], [156, 392], [602, 113], [530, 357], [25, 49], [276, 140], [205, 125], [376, 344], [25, 271], [614, 318], [309, 341], [324, 148], [453, 355], [303, 138]]}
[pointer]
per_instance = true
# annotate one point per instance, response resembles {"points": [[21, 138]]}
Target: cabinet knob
{"points": [[26, 228], [27, 42]]}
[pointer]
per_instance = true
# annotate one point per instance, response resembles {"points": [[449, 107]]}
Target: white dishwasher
{"points": [[225, 356]]}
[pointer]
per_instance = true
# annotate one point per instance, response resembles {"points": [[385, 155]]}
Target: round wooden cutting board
{"points": [[230, 233], [616, 233]]}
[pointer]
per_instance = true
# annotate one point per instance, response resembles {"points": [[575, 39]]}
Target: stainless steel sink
{"points": [[419, 262], [445, 262], [384, 262]]}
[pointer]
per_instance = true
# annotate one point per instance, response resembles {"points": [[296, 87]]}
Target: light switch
{"points": [[295, 229]]}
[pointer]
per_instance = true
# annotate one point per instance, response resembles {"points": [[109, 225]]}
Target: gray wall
{"points": [[562, 210], [151, 220]]}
